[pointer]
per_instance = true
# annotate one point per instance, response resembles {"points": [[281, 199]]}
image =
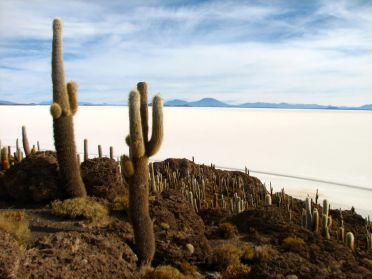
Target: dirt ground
{"points": [[194, 241]]}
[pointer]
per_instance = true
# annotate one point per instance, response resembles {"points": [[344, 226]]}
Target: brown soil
{"points": [[63, 248]]}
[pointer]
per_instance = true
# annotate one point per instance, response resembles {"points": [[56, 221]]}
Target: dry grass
{"points": [[228, 230], [164, 272], [188, 269], [264, 252], [225, 255], [237, 271], [247, 252], [14, 223], [293, 241], [121, 203], [86, 208]]}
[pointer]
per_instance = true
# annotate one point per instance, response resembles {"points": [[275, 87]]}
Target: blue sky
{"points": [[236, 51]]}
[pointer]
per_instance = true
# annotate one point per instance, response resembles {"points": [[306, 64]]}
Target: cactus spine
{"points": [[136, 168], [63, 108]]}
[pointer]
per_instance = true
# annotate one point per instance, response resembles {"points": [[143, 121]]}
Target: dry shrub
{"points": [[75, 208], [264, 252], [188, 269], [247, 252], [225, 255], [228, 230], [14, 223], [121, 203], [293, 241], [237, 271], [164, 272]]}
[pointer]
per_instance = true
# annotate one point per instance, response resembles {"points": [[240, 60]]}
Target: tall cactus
{"points": [[136, 168], [64, 106]]}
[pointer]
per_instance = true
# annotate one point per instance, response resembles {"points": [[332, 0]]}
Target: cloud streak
{"points": [[288, 51]]}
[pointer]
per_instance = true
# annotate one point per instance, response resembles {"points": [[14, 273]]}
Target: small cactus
{"points": [[309, 222], [5, 165], [86, 154], [350, 241], [315, 224], [62, 110], [26, 145], [136, 168], [99, 151], [111, 153], [325, 220], [268, 199]]}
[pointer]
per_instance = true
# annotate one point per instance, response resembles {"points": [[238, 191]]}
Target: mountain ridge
{"points": [[212, 102]]}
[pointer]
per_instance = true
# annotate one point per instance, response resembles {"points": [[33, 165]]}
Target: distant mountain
{"points": [[285, 106], [206, 102], [176, 103], [6, 103], [211, 102], [367, 107]]}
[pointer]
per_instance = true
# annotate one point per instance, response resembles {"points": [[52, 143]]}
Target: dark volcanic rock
{"points": [[177, 225], [79, 255], [102, 178], [9, 256], [34, 179]]}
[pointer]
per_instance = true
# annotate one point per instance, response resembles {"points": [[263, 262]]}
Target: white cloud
{"points": [[232, 52]]}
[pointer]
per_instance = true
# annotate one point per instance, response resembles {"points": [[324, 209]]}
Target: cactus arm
{"points": [[142, 89], [127, 166], [157, 126], [72, 96], [56, 110], [137, 147]]}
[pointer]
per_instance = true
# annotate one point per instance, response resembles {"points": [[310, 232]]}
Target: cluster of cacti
{"points": [[17, 156], [64, 107], [136, 167], [309, 217], [228, 191]]}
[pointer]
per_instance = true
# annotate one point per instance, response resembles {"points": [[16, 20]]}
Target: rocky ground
{"points": [[207, 242]]}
